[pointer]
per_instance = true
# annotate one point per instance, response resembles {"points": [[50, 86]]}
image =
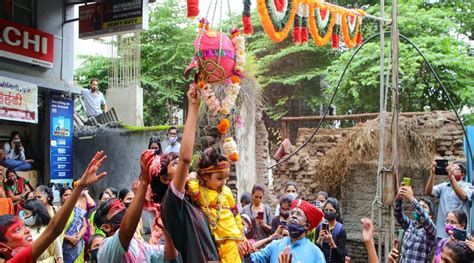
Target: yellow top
{"points": [[220, 209]]}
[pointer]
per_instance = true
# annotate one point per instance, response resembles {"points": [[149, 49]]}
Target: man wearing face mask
{"points": [[419, 237], [119, 224], [174, 145], [454, 194], [303, 218]]}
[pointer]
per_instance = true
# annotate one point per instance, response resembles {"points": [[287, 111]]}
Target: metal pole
{"points": [[395, 109], [382, 125]]}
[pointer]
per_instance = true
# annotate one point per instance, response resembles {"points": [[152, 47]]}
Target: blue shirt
{"points": [[93, 102], [173, 148], [449, 201], [303, 251]]}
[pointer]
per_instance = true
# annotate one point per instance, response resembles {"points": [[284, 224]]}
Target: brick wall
{"points": [[439, 129]]}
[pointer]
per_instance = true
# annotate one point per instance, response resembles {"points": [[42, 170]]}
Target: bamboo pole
{"points": [[395, 119], [382, 105]]}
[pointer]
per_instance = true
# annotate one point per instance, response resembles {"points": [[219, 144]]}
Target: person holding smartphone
{"points": [[261, 212], [331, 236], [455, 224], [14, 151], [420, 233], [454, 194]]}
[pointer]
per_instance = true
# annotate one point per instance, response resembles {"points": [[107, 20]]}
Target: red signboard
{"points": [[26, 44]]}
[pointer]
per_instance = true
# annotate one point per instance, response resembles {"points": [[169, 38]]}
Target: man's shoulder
{"points": [[442, 185], [465, 184]]}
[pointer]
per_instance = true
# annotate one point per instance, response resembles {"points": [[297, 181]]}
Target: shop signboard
{"points": [[18, 100], [61, 138], [111, 17], [26, 44]]}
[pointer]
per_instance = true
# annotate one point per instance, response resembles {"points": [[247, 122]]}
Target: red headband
{"points": [[223, 166]]}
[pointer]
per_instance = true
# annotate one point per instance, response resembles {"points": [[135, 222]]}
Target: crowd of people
{"points": [[173, 214]]}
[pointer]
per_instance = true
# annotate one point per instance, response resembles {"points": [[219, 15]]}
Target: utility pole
{"points": [[395, 113]]}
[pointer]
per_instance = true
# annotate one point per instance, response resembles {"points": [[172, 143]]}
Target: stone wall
{"points": [[439, 129], [122, 147]]}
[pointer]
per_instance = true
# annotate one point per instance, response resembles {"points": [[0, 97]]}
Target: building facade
{"points": [[36, 55]]}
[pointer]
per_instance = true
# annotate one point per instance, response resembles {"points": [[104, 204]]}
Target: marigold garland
{"points": [[277, 21], [277, 35], [350, 42], [313, 27], [223, 126]]}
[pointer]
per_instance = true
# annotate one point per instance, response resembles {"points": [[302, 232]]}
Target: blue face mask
{"points": [[295, 230], [172, 140], [292, 196], [30, 221]]}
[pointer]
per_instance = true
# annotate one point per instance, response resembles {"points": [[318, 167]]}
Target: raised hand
{"points": [[145, 161], [394, 255], [407, 192], [367, 229], [194, 96], [285, 256], [433, 166], [90, 176]]}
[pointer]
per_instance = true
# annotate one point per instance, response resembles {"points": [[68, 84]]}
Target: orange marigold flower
{"points": [[201, 84], [235, 79], [234, 157], [225, 122], [222, 128]]}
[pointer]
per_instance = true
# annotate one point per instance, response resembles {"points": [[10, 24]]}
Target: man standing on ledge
{"points": [[174, 145], [94, 99]]}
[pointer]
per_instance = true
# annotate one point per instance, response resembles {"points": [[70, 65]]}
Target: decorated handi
{"points": [[220, 60]]}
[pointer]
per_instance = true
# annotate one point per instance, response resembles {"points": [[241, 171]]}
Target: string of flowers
{"points": [[277, 24], [346, 31], [316, 24], [325, 22]]}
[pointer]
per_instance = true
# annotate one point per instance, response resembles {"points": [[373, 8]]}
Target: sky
{"points": [[93, 47]]}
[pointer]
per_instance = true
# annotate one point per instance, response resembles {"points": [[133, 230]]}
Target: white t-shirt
{"points": [[93, 102]]}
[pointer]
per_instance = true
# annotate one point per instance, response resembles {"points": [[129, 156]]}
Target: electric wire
{"points": [[326, 111]]}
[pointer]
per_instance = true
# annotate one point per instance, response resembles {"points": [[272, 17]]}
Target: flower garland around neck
{"points": [[213, 223]]}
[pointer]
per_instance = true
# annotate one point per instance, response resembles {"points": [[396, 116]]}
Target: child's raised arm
{"points": [[58, 222]]}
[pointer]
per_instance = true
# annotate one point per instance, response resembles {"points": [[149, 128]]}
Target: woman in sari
{"points": [[16, 188]]}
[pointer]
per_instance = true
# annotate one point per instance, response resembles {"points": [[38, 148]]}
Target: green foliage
{"points": [[166, 50], [93, 67], [432, 31]]}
